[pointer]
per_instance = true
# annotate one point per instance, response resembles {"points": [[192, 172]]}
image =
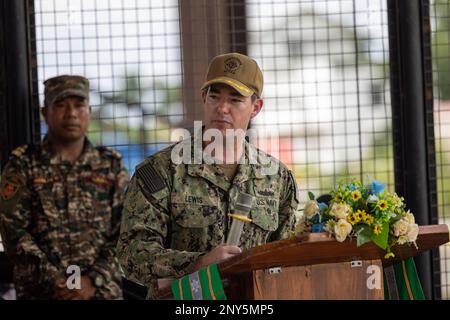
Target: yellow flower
{"points": [[377, 229], [353, 219], [356, 195], [382, 205], [361, 214], [368, 219], [339, 198]]}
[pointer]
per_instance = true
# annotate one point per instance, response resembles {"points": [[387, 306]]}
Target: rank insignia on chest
{"points": [[101, 180], [39, 180], [10, 187]]}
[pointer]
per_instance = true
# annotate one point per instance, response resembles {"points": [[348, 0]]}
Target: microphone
{"points": [[243, 206]]}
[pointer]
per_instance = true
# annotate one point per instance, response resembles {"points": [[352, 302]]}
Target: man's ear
{"points": [[257, 106], [204, 92], [44, 111]]}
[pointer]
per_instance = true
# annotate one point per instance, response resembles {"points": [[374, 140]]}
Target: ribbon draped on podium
{"points": [[205, 284], [401, 281]]}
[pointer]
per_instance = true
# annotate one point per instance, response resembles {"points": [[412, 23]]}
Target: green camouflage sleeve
{"points": [[288, 208], [15, 223], [106, 263], [143, 247]]}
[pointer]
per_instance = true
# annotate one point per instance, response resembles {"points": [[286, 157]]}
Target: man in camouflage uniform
{"points": [[61, 203], [175, 217]]}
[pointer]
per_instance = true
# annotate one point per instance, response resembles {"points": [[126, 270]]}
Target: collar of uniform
{"points": [[211, 173], [89, 155], [250, 169]]}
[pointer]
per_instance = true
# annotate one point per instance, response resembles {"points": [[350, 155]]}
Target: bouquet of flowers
{"points": [[367, 212]]}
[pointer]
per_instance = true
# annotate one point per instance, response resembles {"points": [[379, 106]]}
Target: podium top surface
{"points": [[320, 248]]}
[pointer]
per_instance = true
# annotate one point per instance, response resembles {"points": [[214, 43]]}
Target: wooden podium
{"points": [[316, 266]]}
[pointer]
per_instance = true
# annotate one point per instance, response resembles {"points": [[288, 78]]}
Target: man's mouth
{"points": [[71, 126], [222, 121]]}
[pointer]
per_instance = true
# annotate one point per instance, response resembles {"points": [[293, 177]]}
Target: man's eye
{"points": [[236, 100]]}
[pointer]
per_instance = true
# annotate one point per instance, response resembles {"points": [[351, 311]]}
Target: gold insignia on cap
{"points": [[232, 64]]}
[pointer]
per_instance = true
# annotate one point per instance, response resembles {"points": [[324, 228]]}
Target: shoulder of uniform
{"points": [[268, 157], [21, 150], [150, 176], [109, 152], [153, 172], [159, 159]]}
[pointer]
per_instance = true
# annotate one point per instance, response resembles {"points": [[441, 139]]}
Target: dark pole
{"points": [[238, 26], [412, 117], [16, 76]]}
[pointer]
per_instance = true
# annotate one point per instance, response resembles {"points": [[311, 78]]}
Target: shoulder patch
{"points": [[11, 189], [20, 151], [151, 178], [109, 152]]}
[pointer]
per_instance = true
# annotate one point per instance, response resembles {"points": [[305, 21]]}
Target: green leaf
{"points": [[364, 236], [311, 195], [381, 240]]}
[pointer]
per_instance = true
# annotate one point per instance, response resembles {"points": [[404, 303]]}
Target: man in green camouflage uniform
{"points": [[175, 217], [61, 203]]}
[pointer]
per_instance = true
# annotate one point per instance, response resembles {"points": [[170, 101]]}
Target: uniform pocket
{"points": [[194, 223], [193, 211], [49, 217]]}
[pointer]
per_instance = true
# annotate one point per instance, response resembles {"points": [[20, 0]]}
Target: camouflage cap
{"points": [[236, 70], [61, 87]]}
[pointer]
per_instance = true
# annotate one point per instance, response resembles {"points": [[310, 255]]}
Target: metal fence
{"points": [[130, 51], [325, 65]]}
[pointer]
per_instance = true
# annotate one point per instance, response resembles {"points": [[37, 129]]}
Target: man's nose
{"points": [[223, 106], [70, 110]]}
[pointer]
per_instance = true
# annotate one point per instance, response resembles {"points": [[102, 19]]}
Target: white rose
{"points": [[413, 232], [342, 229], [400, 227], [372, 198], [409, 217], [311, 208], [339, 210]]}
